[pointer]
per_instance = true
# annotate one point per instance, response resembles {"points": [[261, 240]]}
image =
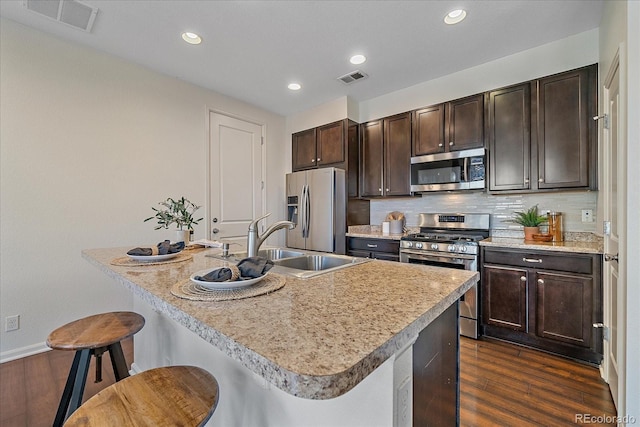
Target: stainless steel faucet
{"points": [[254, 240]]}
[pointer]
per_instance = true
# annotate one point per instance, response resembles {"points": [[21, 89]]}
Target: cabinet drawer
{"points": [[374, 245], [575, 263]]}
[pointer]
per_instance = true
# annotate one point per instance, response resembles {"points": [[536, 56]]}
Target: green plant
{"points": [[173, 211], [530, 218]]}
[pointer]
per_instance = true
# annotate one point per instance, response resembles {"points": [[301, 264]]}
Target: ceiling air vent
{"points": [[70, 12], [352, 77]]}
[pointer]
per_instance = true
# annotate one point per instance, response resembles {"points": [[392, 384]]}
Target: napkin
{"points": [[254, 267], [248, 268], [217, 275], [162, 248]]}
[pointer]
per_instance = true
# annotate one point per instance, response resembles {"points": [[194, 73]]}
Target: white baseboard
{"points": [[135, 369], [19, 353]]}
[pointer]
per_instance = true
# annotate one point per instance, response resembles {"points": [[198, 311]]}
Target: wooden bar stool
{"points": [[92, 336], [170, 396]]}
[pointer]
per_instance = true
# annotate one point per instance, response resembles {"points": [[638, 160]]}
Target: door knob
{"points": [[523, 278], [609, 257], [540, 282], [215, 231], [214, 220]]}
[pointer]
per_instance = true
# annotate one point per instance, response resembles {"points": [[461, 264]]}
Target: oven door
{"points": [[440, 259], [469, 301]]}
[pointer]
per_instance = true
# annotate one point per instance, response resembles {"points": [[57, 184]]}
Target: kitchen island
{"points": [[337, 347]]}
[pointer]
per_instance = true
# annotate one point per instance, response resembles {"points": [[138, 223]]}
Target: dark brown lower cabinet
{"points": [[384, 249], [436, 378], [546, 300]]}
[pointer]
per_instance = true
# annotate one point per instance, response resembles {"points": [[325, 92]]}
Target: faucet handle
{"points": [[254, 223]]}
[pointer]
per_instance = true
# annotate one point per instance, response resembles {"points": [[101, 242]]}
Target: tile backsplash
{"points": [[501, 208]]}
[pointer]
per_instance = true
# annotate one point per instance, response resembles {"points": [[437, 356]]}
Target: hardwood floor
{"points": [[507, 385], [501, 385], [30, 388]]}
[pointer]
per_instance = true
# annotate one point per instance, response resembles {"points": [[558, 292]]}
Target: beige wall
{"points": [[89, 143]]}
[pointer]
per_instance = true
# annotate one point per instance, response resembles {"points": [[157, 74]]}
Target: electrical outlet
{"points": [[12, 323], [587, 215]]}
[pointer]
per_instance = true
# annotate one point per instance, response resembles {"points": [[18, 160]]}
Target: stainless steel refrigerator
{"points": [[316, 202]]}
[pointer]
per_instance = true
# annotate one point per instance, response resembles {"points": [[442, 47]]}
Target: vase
{"points": [[183, 236], [530, 231]]}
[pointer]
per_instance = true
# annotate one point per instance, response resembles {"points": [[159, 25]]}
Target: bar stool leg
{"points": [[118, 362], [74, 388]]}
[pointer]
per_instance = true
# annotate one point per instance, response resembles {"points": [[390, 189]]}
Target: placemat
{"points": [[128, 262], [192, 291]]}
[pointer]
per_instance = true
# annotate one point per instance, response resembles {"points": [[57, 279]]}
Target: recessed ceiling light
{"points": [[357, 59], [191, 38], [294, 86], [455, 16]]}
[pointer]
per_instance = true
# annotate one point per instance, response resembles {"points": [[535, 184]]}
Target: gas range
{"points": [[451, 241], [454, 233]]}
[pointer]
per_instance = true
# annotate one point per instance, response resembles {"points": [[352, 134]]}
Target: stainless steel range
{"points": [[450, 240]]}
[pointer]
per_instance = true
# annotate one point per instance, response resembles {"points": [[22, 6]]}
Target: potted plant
{"points": [[179, 212], [530, 220]]}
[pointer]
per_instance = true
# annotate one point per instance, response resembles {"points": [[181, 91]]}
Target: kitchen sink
{"points": [[271, 253], [299, 264], [307, 266], [314, 262]]}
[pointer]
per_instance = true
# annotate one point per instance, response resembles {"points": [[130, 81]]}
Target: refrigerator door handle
{"points": [[303, 211], [308, 211]]}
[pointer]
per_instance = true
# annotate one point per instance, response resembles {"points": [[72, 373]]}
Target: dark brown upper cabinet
{"points": [[303, 150], [541, 135], [385, 156], [565, 128], [318, 147], [509, 137], [452, 126]]}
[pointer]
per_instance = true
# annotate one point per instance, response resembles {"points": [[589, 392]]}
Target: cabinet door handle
{"points": [[540, 282], [318, 158], [526, 180], [523, 278], [369, 245], [313, 160], [541, 180], [387, 189], [441, 145], [380, 190], [450, 142], [538, 261]]}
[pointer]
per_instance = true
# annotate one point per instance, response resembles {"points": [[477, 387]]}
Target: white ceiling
{"points": [[251, 50]]}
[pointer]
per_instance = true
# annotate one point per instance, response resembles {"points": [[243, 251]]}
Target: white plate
{"points": [[149, 258], [223, 285]]}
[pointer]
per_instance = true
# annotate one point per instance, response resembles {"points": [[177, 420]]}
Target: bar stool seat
{"points": [[169, 396], [92, 336]]}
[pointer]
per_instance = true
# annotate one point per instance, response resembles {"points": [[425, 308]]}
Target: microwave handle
{"points": [[465, 170]]}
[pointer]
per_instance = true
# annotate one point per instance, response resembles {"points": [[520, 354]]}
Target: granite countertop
{"points": [[314, 338], [574, 246], [375, 232]]}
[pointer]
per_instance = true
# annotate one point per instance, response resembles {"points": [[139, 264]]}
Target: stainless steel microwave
{"points": [[455, 170]]}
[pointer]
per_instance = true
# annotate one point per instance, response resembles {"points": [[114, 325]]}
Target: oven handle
{"points": [[441, 256]]}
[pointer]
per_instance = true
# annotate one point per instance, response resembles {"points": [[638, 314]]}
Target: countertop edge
{"points": [[299, 385], [566, 247]]}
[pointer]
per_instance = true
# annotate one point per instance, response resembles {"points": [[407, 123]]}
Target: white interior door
{"points": [[236, 185], [614, 230]]}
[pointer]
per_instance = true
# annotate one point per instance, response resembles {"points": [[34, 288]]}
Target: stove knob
{"points": [[419, 245], [451, 248], [409, 244], [434, 246], [462, 249]]}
